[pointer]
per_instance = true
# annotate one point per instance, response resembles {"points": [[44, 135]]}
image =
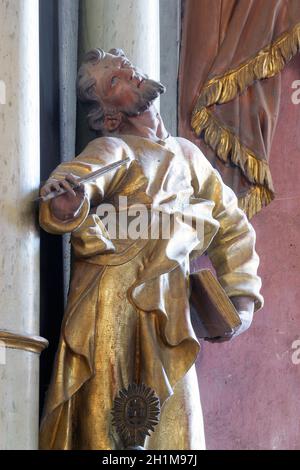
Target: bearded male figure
{"points": [[127, 318]]}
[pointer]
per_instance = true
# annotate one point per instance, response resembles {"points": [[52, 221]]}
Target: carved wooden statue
{"points": [[127, 319]]}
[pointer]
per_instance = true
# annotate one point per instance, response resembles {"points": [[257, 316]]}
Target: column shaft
{"points": [[132, 25], [19, 241]]}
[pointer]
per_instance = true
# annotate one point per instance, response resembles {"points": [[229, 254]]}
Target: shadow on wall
{"points": [[51, 269]]}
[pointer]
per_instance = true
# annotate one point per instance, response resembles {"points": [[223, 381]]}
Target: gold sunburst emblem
{"points": [[135, 413]]}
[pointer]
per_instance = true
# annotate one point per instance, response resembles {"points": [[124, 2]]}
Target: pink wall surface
{"points": [[250, 387]]}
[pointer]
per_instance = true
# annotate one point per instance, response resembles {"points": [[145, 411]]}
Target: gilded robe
{"points": [[128, 317]]}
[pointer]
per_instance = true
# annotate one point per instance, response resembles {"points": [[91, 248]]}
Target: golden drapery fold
{"points": [[172, 177], [228, 48]]}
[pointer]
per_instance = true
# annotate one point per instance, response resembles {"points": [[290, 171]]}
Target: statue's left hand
{"points": [[245, 309]]}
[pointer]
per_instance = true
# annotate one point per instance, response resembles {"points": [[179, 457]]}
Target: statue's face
{"points": [[122, 87]]}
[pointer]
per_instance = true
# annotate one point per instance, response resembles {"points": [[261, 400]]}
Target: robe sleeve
{"points": [[232, 250], [99, 153]]}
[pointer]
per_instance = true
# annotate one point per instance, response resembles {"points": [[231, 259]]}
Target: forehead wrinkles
{"points": [[111, 61]]}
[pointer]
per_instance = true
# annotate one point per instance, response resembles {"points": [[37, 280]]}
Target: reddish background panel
{"points": [[250, 387]]}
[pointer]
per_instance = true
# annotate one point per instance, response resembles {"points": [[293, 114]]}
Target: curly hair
{"points": [[86, 87]]}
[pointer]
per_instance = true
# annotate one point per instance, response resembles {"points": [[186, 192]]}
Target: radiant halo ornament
{"points": [[135, 413]]}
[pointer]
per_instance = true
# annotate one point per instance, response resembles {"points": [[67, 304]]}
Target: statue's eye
{"points": [[114, 81]]}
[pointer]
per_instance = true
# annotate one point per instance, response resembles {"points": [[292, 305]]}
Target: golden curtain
{"points": [[226, 106]]}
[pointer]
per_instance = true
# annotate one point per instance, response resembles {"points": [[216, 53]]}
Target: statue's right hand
{"points": [[67, 205]]}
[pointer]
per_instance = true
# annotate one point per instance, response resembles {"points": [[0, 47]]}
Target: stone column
{"points": [[132, 25], [19, 243]]}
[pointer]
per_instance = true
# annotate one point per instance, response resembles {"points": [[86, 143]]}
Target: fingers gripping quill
{"points": [[68, 199], [73, 184], [70, 185]]}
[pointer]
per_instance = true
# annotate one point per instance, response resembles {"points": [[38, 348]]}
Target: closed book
{"points": [[213, 314]]}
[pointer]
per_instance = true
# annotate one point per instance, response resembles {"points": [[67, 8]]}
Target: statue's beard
{"points": [[149, 91]]}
